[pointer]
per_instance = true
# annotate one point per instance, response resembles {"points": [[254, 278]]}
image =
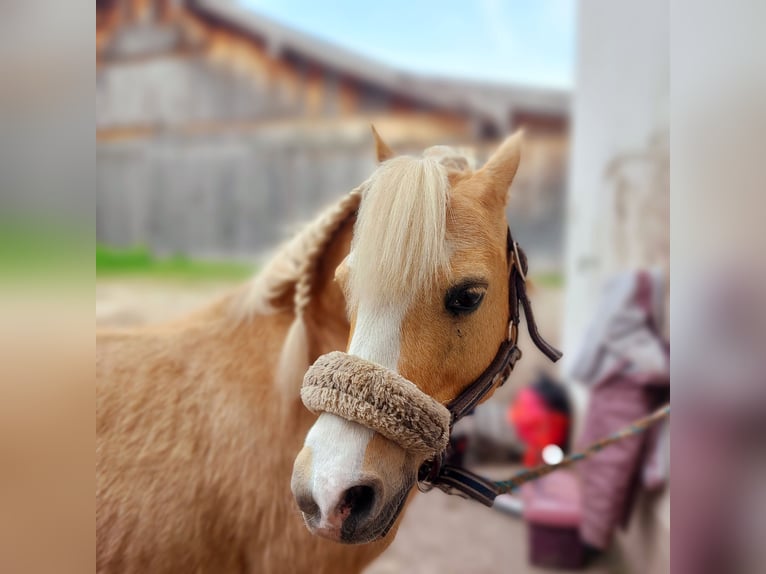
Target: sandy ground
{"points": [[439, 533], [443, 534]]}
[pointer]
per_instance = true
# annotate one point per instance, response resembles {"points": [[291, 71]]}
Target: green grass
{"points": [[140, 262], [550, 279], [33, 246], [30, 248]]}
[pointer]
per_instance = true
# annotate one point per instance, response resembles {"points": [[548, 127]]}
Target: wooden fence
{"points": [[221, 196], [235, 196]]}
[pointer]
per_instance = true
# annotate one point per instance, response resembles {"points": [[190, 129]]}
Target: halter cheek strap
{"points": [[456, 480], [508, 353]]}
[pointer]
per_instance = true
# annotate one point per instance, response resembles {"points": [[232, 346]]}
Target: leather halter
{"points": [[456, 480]]}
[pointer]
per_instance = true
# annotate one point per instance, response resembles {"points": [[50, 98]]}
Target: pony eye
{"points": [[464, 299]]}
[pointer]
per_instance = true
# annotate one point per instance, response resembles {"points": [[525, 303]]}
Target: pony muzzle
{"points": [[361, 458]]}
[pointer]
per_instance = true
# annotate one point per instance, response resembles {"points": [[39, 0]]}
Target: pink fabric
{"points": [[553, 500], [610, 477], [626, 362]]}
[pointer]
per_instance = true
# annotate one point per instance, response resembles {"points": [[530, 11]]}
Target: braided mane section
{"points": [[291, 268]]}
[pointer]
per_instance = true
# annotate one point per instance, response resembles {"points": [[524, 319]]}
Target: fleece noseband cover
{"points": [[377, 398]]}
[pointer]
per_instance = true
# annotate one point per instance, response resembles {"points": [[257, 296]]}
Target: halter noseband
{"points": [[383, 400]]}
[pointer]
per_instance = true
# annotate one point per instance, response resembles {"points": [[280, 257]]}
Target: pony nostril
{"points": [[307, 504], [358, 501]]}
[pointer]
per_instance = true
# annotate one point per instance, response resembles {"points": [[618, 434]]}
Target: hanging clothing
{"points": [[625, 361]]}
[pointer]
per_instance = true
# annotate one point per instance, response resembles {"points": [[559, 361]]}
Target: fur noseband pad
{"points": [[377, 398]]}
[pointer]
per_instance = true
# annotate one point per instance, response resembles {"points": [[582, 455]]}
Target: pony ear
{"points": [[382, 151], [498, 173]]}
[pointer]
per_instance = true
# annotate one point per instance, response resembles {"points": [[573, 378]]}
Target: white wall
{"points": [[620, 104]]}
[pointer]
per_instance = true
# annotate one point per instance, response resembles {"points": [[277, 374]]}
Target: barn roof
{"points": [[489, 100]]}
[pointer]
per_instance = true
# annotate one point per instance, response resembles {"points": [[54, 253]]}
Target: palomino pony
{"points": [[199, 422]]}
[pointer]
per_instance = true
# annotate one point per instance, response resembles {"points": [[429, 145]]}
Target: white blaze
{"points": [[338, 446], [377, 335]]}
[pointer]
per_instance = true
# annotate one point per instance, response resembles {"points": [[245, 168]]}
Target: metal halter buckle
{"points": [[517, 261], [429, 472], [513, 332]]}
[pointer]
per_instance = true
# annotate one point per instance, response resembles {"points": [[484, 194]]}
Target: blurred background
{"points": [[221, 125]]}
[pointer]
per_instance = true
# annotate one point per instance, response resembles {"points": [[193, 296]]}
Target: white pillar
{"points": [[620, 104]]}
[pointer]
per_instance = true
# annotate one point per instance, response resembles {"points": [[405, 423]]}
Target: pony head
{"points": [[426, 284]]}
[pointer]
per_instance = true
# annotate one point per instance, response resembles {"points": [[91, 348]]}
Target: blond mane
{"points": [[399, 242]]}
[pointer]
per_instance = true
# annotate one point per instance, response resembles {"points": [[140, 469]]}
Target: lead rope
{"points": [[467, 484], [635, 428]]}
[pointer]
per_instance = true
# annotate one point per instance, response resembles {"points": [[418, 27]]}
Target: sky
{"points": [[529, 42]]}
